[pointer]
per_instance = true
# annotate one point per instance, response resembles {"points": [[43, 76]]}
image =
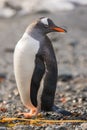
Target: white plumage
{"points": [[44, 21], [24, 57]]}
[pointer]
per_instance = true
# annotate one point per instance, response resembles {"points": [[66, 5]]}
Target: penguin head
{"points": [[47, 25]]}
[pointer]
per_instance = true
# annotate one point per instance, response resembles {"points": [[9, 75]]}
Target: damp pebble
{"points": [[49, 128], [61, 128], [22, 127], [78, 128], [3, 128], [84, 126]]}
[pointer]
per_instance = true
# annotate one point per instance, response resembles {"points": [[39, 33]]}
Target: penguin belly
{"points": [[24, 63]]}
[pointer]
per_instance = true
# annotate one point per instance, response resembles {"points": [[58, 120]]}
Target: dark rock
{"points": [[65, 77], [61, 128], [2, 76]]}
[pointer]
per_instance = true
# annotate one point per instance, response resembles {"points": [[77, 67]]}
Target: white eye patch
{"points": [[44, 21]]}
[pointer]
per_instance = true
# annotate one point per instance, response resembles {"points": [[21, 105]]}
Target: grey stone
{"points": [[61, 128], [22, 127], [78, 128], [84, 126], [49, 128], [3, 128]]}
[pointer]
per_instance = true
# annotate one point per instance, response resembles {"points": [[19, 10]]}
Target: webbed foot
{"points": [[59, 110], [32, 113]]}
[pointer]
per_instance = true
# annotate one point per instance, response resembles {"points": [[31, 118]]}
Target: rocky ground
{"points": [[71, 53]]}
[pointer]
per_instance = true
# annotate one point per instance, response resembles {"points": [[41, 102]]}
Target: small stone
{"points": [[84, 126], [61, 128], [2, 77], [38, 128], [49, 128], [15, 92], [65, 77], [56, 127], [78, 128], [22, 127], [9, 128], [3, 128], [80, 100], [9, 95]]}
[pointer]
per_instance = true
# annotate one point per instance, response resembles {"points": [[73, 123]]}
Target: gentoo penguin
{"points": [[34, 58]]}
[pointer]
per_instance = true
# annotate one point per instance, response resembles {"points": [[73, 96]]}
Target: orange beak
{"points": [[58, 29]]}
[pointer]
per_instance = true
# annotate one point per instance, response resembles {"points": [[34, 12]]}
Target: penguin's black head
{"points": [[46, 25]]}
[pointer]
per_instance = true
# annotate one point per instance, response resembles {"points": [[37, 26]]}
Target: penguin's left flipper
{"points": [[61, 111]]}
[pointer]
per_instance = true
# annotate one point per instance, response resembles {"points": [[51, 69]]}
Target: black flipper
{"points": [[36, 78], [50, 80]]}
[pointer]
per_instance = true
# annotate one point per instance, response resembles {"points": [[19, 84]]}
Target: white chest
{"points": [[27, 45], [25, 52], [24, 63]]}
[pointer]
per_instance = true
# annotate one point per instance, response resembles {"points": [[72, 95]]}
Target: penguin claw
{"points": [[61, 111]]}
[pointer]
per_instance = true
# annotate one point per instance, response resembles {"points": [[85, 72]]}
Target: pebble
{"points": [[84, 126], [78, 128], [49, 128], [15, 91], [61, 128], [65, 77], [2, 77], [22, 127], [3, 128]]}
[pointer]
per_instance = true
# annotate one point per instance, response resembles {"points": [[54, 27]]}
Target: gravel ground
{"points": [[71, 53]]}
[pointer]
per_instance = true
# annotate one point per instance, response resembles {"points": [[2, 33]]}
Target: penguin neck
{"points": [[35, 33]]}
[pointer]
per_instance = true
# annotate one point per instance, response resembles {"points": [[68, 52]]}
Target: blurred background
{"points": [[70, 48]]}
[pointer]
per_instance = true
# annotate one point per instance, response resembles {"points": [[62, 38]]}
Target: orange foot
{"points": [[32, 113]]}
